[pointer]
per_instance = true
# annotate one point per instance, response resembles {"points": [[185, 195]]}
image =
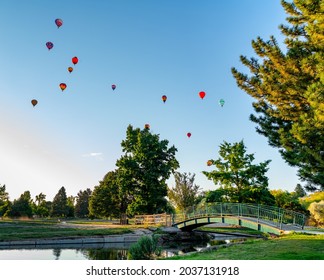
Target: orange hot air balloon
{"points": [[202, 94], [62, 86], [147, 126], [70, 69], [164, 98], [189, 134], [75, 60], [34, 102], [209, 163]]}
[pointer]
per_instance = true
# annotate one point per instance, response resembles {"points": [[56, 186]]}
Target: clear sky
{"points": [[147, 49]]}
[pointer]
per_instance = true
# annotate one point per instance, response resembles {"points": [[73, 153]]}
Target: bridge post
{"points": [[221, 209], [280, 216]]}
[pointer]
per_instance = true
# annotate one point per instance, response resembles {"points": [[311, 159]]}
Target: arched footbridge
{"points": [[259, 217]]}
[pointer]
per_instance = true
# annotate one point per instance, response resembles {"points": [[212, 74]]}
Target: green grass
{"points": [[232, 229], [288, 247], [19, 230]]}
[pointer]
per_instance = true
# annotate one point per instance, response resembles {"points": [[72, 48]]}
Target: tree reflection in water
{"points": [[105, 254]]}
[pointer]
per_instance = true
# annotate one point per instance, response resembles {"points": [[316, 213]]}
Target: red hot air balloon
{"points": [[49, 45], [202, 94], [34, 102], [62, 86], [189, 134], [113, 87], [75, 60], [70, 69], [147, 126], [58, 22], [209, 163], [164, 98]]}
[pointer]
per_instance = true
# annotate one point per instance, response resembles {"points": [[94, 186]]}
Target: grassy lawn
{"points": [[232, 229], [37, 229], [288, 247]]}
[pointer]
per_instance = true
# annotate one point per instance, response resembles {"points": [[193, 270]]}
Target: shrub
{"points": [[317, 211], [146, 248]]}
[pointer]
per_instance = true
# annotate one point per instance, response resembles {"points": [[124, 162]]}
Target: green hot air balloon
{"points": [[221, 102]]}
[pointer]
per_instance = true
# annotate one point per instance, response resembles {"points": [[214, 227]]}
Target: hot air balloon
{"points": [[202, 94], [62, 86], [70, 69], [113, 87], [189, 134], [75, 60], [209, 162], [34, 102], [49, 45], [147, 126], [164, 98], [58, 22], [221, 102]]}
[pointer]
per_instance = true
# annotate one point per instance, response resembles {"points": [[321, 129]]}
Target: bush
{"points": [[146, 248], [317, 211]]}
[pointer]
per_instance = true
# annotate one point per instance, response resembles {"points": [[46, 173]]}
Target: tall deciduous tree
{"points": [[5, 204], [287, 200], [22, 207], [288, 88], [41, 207], [185, 192], [106, 199], [143, 170], [60, 206], [240, 180]]}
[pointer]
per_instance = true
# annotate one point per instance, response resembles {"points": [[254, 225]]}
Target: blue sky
{"points": [[148, 49]]}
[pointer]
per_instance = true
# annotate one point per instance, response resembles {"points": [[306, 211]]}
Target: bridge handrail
{"points": [[274, 214]]}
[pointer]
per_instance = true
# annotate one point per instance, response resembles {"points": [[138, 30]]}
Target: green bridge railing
{"points": [[275, 215]]}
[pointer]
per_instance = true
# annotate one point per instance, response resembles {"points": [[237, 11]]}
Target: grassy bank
{"points": [[232, 230], [40, 229], [288, 247]]}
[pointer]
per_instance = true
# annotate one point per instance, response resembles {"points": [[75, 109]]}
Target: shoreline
{"points": [[82, 240]]}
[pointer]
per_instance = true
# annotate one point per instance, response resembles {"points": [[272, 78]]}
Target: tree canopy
{"points": [[105, 199], [239, 179], [185, 192], [144, 168], [60, 206], [288, 89], [138, 185]]}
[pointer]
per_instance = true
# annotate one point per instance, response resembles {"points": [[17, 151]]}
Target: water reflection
{"points": [[98, 251], [94, 253], [105, 254]]}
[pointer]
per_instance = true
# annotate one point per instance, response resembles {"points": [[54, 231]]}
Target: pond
{"points": [[97, 251]]}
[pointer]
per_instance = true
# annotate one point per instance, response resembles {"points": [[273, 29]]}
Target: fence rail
{"points": [[275, 215], [157, 219]]}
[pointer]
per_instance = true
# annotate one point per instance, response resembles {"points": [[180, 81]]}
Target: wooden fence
{"points": [[156, 219]]}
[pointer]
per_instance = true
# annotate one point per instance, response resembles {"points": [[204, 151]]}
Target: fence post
{"points": [[258, 213]]}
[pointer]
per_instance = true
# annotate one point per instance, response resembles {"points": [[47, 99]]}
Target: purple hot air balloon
{"points": [[49, 45], [58, 22], [113, 87]]}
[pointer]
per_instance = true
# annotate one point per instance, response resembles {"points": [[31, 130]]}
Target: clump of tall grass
{"points": [[146, 248]]}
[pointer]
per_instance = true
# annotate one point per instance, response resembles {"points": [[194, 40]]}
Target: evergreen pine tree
{"points": [[60, 204], [288, 88]]}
